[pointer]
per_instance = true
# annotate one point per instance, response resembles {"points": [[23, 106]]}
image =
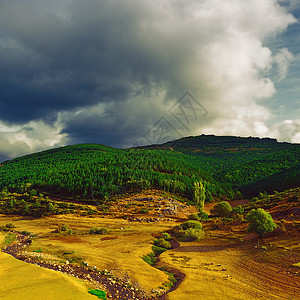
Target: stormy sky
{"points": [[132, 72]]}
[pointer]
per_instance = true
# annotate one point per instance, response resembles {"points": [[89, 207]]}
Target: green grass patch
{"points": [[10, 238], [297, 265], [38, 251], [98, 293]]}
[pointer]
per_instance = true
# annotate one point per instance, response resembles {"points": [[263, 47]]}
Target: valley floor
{"points": [[228, 264], [226, 268]]}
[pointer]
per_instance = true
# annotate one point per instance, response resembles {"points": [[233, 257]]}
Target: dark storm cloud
{"points": [[105, 71], [50, 64]]}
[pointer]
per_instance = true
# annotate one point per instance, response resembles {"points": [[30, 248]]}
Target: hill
{"points": [[98, 172], [251, 165], [225, 165]]}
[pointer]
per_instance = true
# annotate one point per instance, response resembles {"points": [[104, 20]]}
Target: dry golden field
{"points": [[228, 264], [20, 280]]}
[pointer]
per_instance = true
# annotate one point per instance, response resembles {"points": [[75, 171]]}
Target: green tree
{"points": [[199, 195], [260, 221]]}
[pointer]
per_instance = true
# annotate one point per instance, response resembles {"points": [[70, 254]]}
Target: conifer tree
{"points": [[199, 195]]}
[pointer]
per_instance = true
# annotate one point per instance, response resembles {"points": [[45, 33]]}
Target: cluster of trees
{"points": [[95, 171], [28, 202], [251, 165]]}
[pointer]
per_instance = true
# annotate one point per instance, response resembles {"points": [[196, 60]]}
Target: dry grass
{"points": [[20, 280], [120, 251], [221, 268]]}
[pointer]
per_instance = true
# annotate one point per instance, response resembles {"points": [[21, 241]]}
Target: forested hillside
{"points": [[250, 165], [225, 165], [98, 171]]}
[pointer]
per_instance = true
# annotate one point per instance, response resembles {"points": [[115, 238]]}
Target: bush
{"points": [[99, 293], [166, 236], [97, 230], [194, 217], [161, 242], [203, 216], [149, 258], [64, 227], [222, 209], [192, 234], [158, 250], [70, 231], [239, 210], [191, 224], [260, 221]]}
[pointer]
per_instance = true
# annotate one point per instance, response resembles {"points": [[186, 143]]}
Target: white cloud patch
{"points": [[283, 59], [28, 138], [287, 130]]}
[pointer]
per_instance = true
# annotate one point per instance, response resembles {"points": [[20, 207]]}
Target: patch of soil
{"points": [[107, 238]]}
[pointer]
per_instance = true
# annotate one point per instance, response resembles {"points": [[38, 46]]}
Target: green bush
{"points": [[158, 250], [166, 236], [192, 234], [260, 221], [161, 242], [222, 209], [97, 230], [99, 293], [149, 258], [203, 216], [239, 210], [70, 231], [194, 217], [191, 224], [64, 227]]}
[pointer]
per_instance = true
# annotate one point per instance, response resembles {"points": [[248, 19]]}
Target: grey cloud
{"points": [[61, 60]]}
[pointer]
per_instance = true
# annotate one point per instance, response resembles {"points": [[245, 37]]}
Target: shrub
{"points": [[166, 236], [149, 258], [203, 216], [191, 224], [260, 221], [238, 210], [64, 227], [192, 234], [222, 209], [99, 293], [158, 250], [194, 217], [70, 231], [161, 242], [97, 230]]}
